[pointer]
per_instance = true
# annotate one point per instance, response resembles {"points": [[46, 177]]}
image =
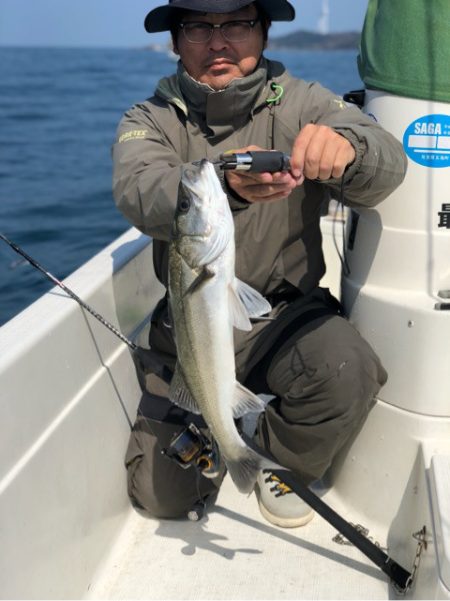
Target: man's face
{"points": [[218, 61]]}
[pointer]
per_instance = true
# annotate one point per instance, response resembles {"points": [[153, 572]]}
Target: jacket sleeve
{"points": [[380, 163], [146, 171]]}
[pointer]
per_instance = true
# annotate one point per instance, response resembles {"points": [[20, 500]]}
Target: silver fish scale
{"points": [[201, 314]]}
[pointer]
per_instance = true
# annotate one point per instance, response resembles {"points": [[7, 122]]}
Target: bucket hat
{"points": [[161, 18]]}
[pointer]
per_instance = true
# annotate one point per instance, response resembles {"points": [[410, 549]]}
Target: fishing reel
{"points": [[192, 448]]}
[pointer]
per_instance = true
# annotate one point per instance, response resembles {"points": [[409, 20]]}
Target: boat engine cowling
{"points": [[398, 290]]}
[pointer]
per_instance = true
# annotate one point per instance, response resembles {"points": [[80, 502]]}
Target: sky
{"points": [[119, 23]]}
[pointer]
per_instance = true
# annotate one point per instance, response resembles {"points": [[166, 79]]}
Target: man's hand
{"points": [[320, 153], [261, 187]]}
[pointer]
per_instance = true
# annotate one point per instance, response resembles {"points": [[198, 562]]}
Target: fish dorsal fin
{"points": [[179, 392], [255, 304], [244, 401]]}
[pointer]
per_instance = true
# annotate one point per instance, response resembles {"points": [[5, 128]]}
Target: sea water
{"points": [[59, 110]]}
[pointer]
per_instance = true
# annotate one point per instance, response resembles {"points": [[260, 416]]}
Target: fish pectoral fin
{"points": [[255, 304], [238, 314], [246, 303], [179, 392], [205, 274], [245, 401]]}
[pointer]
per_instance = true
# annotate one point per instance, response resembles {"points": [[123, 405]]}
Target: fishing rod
{"points": [[398, 575], [68, 291]]}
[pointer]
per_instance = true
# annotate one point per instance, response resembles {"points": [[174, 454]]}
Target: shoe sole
{"points": [[285, 522]]}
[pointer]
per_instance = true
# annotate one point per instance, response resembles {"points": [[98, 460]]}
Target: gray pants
{"points": [[323, 374]]}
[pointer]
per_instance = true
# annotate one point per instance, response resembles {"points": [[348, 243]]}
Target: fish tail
{"points": [[244, 470]]}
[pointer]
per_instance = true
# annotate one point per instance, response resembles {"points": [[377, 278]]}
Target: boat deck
{"points": [[234, 553], [83, 540]]}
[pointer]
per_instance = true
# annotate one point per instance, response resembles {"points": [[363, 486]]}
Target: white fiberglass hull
{"points": [[68, 396]]}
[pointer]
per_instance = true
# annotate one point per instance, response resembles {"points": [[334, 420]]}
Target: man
{"points": [[226, 96]]}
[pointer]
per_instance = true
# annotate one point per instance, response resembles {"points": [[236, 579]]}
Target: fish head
{"points": [[203, 224]]}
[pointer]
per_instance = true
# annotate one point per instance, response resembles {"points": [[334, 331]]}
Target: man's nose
{"points": [[217, 41]]}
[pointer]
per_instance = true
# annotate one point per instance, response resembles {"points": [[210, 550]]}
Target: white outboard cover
{"points": [[398, 291]]}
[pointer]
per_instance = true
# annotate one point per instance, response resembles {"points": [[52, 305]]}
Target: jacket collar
{"points": [[221, 111]]}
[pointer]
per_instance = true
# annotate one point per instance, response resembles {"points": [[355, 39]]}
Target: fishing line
{"points": [[198, 508], [68, 291], [342, 257], [396, 572]]}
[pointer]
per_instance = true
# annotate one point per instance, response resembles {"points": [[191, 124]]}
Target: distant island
{"points": [[298, 40], [308, 40]]}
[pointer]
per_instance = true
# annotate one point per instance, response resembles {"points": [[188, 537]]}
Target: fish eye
{"points": [[184, 205]]}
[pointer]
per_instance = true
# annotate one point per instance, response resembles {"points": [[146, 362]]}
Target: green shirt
{"points": [[405, 48]]}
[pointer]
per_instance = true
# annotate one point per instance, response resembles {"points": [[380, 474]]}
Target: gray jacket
{"points": [[185, 121]]}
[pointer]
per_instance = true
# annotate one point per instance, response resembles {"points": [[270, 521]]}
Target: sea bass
{"points": [[206, 302]]}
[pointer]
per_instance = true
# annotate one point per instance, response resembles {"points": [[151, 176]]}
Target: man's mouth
{"points": [[220, 62]]}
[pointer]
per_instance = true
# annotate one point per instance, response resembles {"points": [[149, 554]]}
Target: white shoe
{"points": [[279, 504]]}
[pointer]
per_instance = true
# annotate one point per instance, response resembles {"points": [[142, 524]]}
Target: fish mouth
{"points": [[197, 177], [199, 165], [193, 174]]}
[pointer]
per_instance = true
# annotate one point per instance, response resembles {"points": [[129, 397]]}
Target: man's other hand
{"points": [[319, 152]]}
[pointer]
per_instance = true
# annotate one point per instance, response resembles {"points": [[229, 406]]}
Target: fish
{"points": [[206, 302]]}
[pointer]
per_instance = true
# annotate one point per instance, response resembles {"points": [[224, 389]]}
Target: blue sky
{"points": [[119, 23]]}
